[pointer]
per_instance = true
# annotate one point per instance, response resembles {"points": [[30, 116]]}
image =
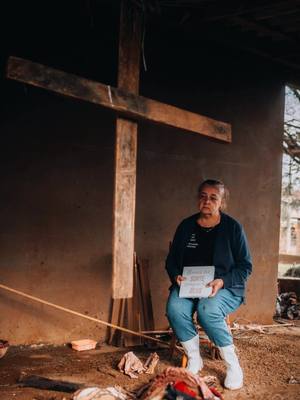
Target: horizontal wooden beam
{"points": [[128, 104]]}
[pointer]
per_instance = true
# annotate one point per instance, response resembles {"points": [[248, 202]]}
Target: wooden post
{"points": [[125, 156]]}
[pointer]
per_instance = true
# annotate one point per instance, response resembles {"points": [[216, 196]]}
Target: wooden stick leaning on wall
{"points": [[126, 312], [117, 318], [145, 294], [78, 314], [135, 313]]}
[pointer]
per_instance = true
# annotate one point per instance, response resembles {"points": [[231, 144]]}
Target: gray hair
{"points": [[217, 184]]}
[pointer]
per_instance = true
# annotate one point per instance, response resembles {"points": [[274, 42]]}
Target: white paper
{"points": [[196, 280]]}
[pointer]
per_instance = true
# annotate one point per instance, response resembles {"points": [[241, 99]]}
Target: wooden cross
{"points": [[130, 106]]}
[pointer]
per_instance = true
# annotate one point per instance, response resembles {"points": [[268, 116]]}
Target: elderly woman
{"points": [[209, 237]]}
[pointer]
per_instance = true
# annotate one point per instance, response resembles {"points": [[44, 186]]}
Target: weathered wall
{"points": [[173, 166], [57, 175]]}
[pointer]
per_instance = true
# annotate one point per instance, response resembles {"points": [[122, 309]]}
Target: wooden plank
{"points": [[119, 335], [124, 208], [130, 105], [143, 267], [133, 313], [125, 156], [114, 319]]}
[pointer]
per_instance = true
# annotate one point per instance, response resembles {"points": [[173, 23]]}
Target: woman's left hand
{"points": [[216, 285]]}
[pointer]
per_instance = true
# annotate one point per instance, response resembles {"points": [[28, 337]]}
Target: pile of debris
{"points": [[172, 384], [175, 383], [287, 306]]}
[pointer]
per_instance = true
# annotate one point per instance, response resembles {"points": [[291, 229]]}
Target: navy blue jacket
{"points": [[231, 257]]}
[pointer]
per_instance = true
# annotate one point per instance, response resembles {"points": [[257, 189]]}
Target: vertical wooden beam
{"points": [[125, 155]]}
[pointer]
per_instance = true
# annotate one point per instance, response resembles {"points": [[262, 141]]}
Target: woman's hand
{"points": [[179, 279], [216, 285]]}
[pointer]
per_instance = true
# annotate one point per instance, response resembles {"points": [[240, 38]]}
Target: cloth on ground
{"points": [[158, 387], [131, 365]]}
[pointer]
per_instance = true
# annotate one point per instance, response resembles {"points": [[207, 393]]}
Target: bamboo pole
{"points": [[78, 314], [169, 331], [254, 327]]}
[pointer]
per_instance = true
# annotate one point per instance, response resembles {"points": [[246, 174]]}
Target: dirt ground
{"points": [[269, 362]]}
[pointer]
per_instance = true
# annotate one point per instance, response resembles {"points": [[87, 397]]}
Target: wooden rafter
{"points": [[261, 29]]}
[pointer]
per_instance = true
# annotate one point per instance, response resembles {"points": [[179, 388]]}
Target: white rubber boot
{"points": [[234, 376], [192, 351]]}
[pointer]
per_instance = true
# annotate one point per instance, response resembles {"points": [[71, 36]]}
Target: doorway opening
{"points": [[289, 248], [288, 299]]}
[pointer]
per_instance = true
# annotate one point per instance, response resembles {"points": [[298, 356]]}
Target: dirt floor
{"points": [[271, 362]]}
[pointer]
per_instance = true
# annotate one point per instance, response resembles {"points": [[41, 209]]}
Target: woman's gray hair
{"points": [[217, 184]]}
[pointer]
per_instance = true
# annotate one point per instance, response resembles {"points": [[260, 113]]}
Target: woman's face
{"points": [[210, 200]]}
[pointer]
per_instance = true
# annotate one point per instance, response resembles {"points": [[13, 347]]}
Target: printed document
{"points": [[196, 280]]}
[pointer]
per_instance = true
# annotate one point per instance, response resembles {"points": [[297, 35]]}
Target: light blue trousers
{"points": [[211, 313]]}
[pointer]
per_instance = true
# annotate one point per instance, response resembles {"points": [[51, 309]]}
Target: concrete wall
{"points": [[57, 179], [171, 165], [56, 220]]}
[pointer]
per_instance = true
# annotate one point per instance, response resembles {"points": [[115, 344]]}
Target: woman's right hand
{"points": [[179, 279]]}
